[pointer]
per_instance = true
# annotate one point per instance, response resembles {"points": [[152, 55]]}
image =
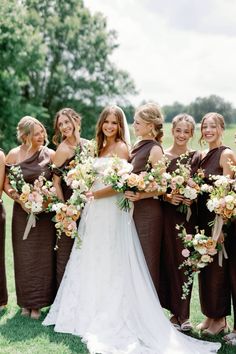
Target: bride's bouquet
{"points": [[36, 197], [121, 178], [198, 250]]}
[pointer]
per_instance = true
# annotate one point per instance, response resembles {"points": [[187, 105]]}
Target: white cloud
{"points": [[175, 52]]}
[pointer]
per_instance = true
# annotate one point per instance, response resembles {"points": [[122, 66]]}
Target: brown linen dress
{"points": [[231, 251], [214, 288], [148, 214], [172, 278], [34, 258], [3, 282], [65, 243]]}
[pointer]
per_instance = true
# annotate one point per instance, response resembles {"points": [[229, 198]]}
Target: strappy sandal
{"points": [[175, 325], [230, 336], [231, 342], [186, 326]]}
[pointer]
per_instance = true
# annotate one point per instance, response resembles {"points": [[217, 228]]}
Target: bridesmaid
{"points": [[3, 283], [67, 139], [148, 215], [172, 278], [213, 280], [34, 261], [231, 337]]}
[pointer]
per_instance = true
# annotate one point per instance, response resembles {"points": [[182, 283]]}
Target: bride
{"points": [[107, 296]]}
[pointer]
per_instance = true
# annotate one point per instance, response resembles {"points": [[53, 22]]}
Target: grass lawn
{"points": [[20, 335]]}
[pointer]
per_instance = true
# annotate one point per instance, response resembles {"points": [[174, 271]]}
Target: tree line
{"points": [[54, 54]]}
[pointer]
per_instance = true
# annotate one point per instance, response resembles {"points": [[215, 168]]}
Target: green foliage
{"points": [[213, 103], [200, 106], [55, 54]]}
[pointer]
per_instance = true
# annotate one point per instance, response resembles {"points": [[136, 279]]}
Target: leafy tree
{"points": [[170, 111], [213, 103], [53, 54]]}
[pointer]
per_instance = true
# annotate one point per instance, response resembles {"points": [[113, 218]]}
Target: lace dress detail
{"points": [[107, 296]]}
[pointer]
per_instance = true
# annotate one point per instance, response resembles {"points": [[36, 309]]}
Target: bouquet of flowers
{"points": [[36, 197], [82, 155], [222, 197], [182, 182], [121, 178], [80, 178], [65, 218], [198, 250]]}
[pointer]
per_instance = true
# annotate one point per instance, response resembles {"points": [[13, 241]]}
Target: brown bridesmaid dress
{"points": [[34, 258], [231, 251], [172, 278], [65, 243], [214, 288], [3, 282], [148, 214]]}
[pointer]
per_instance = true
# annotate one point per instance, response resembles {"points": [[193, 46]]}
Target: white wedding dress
{"points": [[107, 296]]}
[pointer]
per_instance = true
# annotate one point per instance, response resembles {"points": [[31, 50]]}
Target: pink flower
{"points": [[185, 253], [188, 237]]}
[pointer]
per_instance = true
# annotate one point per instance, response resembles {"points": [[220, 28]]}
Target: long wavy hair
{"points": [[219, 121], [73, 117], [100, 137]]}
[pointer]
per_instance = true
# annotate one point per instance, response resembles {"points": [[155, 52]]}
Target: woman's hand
{"points": [[13, 194], [174, 199], [89, 195], [133, 196], [187, 202]]}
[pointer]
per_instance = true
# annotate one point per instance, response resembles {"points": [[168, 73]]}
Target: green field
{"points": [[20, 335]]}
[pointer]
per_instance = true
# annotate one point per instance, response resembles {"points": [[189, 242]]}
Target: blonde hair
{"points": [[151, 113], [73, 117], [184, 117], [218, 119], [119, 114], [25, 130]]}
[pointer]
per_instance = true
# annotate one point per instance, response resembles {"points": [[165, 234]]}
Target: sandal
{"points": [[186, 326], [231, 342], [230, 336], [25, 312], [176, 323], [35, 314]]}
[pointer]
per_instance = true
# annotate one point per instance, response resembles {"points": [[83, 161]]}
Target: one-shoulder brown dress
{"points": [[214, 288], [34, 258], [148, 214], [3, 282], [65, 243], [231, 251], [172, 278]]}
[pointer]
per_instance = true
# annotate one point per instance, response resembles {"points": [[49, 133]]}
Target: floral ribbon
{"points": [[30, 223], [216, 233], [189, 213]]}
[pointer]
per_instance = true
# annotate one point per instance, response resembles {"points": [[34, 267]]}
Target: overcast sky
{"points": [[175, 50]]}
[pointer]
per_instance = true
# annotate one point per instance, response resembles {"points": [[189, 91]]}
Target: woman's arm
{"points": [[227, 158], [58, 159]]}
